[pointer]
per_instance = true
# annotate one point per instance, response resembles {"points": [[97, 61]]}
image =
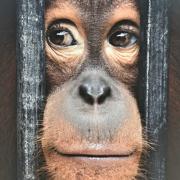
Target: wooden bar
{"points": [[30, 84], [153, 83]]}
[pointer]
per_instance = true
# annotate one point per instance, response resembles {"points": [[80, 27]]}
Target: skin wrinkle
{"points": [[95, 25], [92, 9], [70, 125], [102, 10], [94, 56]]}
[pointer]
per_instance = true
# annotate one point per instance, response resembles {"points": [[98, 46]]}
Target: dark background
{"points": [[8, 91]]}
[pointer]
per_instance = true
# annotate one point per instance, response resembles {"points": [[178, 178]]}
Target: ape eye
{"points": [[124, 34], [123, 39], [61, 38], [62, 34]]}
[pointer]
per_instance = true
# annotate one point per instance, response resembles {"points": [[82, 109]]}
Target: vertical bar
{"points": [[153, 83], [30, 88]]}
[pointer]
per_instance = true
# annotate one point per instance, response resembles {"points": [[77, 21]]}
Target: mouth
{"points": [[124, 155], [99, 164]]}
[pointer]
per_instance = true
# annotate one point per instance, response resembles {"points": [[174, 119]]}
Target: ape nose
{"points": [[94, 92]]}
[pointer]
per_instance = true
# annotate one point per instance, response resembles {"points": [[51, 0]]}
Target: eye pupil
{"points": [[61, 38], [57, 37], [122, 39]]}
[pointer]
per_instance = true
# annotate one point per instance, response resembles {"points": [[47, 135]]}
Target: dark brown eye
{"points": [[61, 37], [123, 39]]}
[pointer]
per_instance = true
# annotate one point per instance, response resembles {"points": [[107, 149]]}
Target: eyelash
{"points": [[57, 27], [126, 28]]}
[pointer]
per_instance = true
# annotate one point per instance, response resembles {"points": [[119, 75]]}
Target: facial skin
{"points": [[92, 127]]}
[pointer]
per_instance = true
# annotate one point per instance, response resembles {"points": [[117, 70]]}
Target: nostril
{"points": [[85, 95], [92, 95], [106, 93]]}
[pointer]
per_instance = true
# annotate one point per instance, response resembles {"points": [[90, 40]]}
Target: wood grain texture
{"points": [[154, 84], [30, 84]]}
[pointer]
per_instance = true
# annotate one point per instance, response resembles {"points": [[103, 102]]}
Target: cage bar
{"points": [[154, 82], [30, 84]]}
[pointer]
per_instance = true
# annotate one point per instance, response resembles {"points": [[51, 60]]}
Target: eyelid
{"points": [[126, 25], [58, 22], [58, 26], [129, 28]]}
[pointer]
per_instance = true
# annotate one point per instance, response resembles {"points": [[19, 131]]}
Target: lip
{"points": [[98, 156], [105, 159], [98, 160]]}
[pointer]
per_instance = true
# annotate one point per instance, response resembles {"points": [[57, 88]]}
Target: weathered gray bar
{"points": [[153, 83], [30, 84]]}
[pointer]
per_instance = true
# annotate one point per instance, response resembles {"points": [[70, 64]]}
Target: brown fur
{"points": [[89, 146]]}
